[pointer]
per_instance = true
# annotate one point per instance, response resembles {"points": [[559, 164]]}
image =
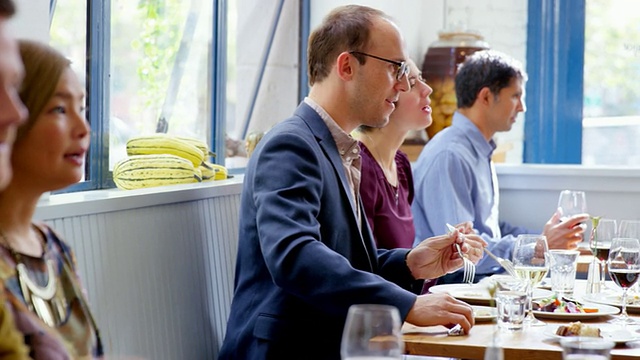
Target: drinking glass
{"points": [[624, 270], [531, 262], [630, 229], [603, 231], [372, 332], [571, 202]]}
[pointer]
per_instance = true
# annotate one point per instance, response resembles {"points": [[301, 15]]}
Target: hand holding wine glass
{"points": [[531, 263], [570, 203], [624, 270], [372, 332]]}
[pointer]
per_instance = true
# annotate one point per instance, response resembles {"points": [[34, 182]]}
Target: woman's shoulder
{"points": [[55, 242]]}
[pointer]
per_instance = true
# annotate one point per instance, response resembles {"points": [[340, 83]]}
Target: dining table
{"points": [[530, 343]]}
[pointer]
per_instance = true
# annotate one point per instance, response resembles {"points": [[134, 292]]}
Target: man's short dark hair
{"points": [[346, 28], [7, 8], [486, 68]]}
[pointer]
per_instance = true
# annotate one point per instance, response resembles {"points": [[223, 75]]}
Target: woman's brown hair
{"points": [[43, 67]]}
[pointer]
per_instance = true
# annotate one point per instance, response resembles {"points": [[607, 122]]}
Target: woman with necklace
{"points": [[37, 269], [386, 184]]}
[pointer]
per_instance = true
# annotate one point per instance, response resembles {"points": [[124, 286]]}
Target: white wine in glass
{"points": [[372, 332], [531, 263]]}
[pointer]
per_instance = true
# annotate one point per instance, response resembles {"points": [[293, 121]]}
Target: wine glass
{"points": [[630, 229], [531, 263], [570, 203], [603, 231], [372, 332], [624, 270]]}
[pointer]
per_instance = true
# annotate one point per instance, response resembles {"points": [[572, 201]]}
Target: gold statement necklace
{"points": [[39, 299]]}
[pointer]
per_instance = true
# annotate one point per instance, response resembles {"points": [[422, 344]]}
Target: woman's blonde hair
{"points": [[43, 66]]}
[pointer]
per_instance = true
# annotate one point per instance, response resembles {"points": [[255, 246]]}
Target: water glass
{"points": [[563, 271], [510, 306], [575, 348], [372, 331]]}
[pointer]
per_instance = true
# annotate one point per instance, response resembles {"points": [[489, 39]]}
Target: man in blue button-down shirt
{"points": [[454, 177]]}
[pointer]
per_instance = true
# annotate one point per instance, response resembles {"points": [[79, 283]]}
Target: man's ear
{"points": [[345, 66], [485, 96]]}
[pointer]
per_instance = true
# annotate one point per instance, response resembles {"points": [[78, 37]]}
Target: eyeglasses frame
{"points": [[403, 66]]}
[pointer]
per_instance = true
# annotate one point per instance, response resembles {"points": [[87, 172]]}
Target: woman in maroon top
{"points": [[387, 184]]}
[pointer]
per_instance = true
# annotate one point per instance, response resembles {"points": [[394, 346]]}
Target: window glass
{"points": [[611, 125], [68, 34], [160, 70]]}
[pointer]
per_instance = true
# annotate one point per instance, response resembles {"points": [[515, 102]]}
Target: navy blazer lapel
{"points": [[327, 143]]}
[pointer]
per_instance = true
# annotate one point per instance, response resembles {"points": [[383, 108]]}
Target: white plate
{"points": [[484, 313], [612, 299], [478, 294], [603, 310], [608, 332]]}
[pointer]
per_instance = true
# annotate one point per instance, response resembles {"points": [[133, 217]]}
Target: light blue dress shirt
{"points": [[455, 181]]}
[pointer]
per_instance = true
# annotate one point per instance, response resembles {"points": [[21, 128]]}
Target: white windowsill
{"points": [[101, 201], [512, 177]]}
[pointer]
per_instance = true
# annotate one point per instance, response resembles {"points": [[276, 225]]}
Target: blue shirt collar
{"points": [[471, 131]]}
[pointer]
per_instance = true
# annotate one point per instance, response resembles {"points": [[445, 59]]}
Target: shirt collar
{"points": [[347, 145], [472, 132]]}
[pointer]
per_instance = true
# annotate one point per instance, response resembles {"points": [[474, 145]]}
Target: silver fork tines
{"points": [[506, 264], [469, 267]]}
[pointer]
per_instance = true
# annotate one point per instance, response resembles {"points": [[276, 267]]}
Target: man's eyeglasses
{"points": [[403, 67]]}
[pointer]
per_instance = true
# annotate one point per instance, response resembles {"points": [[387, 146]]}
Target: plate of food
{"points": [[617, 334], [563, 308], [484, 313], [615, 299], [478, 294]]}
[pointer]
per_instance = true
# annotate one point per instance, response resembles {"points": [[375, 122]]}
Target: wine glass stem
{"points": [[530, 300], [623, 313]]}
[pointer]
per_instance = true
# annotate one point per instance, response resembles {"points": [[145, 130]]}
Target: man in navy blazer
{"points": [[305, 251]]}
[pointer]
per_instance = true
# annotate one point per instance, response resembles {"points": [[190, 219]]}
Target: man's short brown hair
{"points": [[7, 8], [346, 28]]}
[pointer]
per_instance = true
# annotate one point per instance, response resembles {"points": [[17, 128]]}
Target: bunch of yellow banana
{"points": [[212, 171], [142, 171], [165, 144]]}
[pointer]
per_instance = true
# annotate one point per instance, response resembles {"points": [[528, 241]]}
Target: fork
{"points": [[469, 267], [506, 264]]}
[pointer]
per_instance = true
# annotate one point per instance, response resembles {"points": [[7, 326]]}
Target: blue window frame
{"points": [[555, 61], [98, 94]]}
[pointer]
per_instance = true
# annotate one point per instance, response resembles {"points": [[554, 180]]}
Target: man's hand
{"points": [[564, 234], [436, 256], [465, 227], [441, 309]]}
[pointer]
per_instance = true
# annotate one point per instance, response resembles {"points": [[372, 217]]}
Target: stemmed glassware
{"points": [[372, 332], [531, 263], [624, 270], [572, 202], [603, 231], [630, 229]]}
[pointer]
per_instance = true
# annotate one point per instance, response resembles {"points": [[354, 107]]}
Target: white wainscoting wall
{"points": [[157, 264]]}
